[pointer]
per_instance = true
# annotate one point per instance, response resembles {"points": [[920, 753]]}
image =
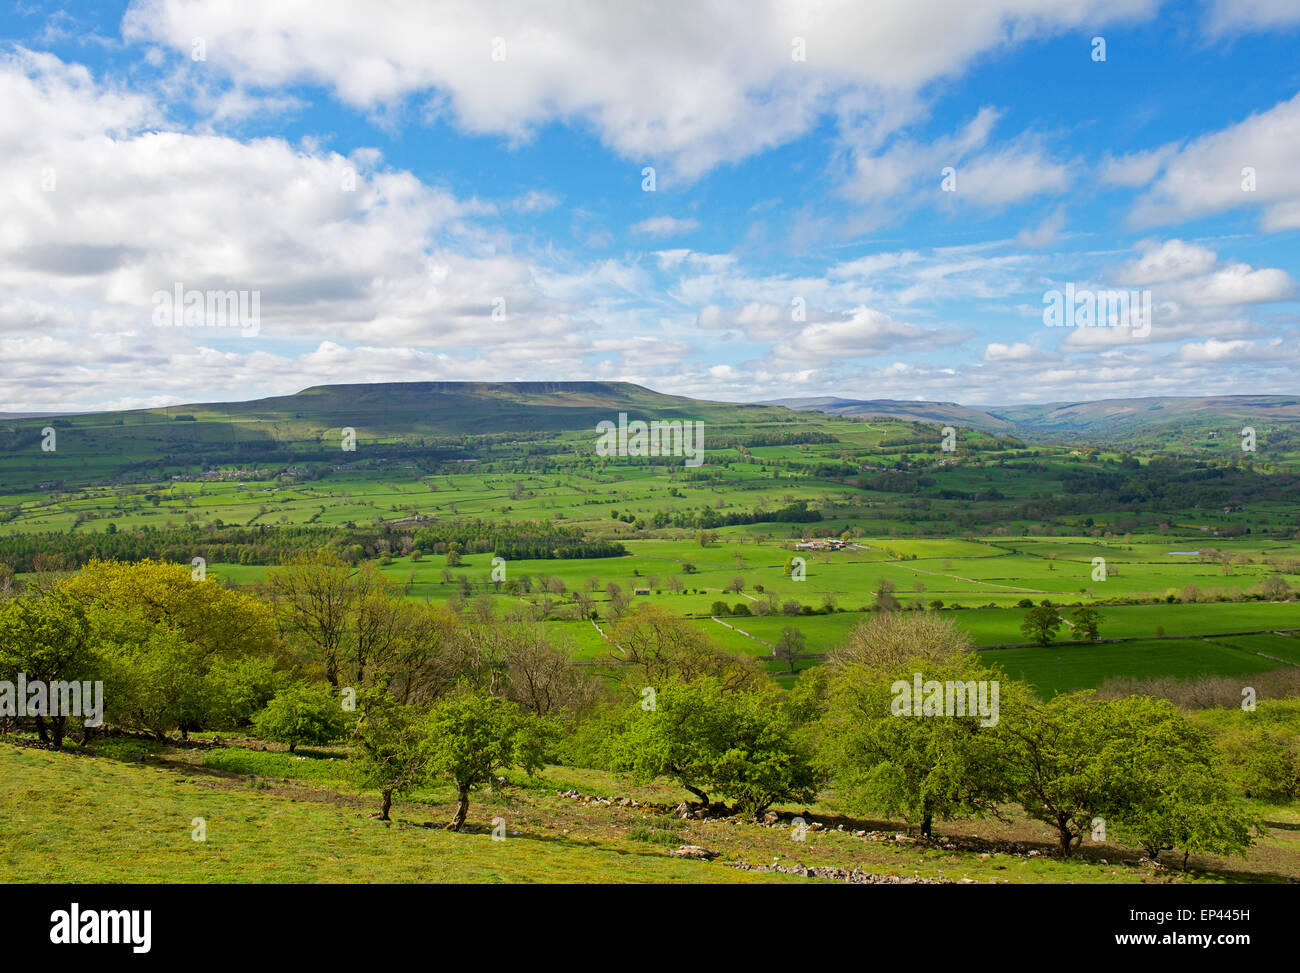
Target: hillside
{"points": [[432, 418], [1104, 419], [947, 413]]}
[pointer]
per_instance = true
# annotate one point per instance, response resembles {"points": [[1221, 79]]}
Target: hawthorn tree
{"points": [[46, 637], [888, 759], [469, 737], [742, 745], [301, 714], [386, 752], [1136, 762]]}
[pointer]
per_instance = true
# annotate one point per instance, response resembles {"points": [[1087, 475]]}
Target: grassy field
{"points": [[273, 817]]}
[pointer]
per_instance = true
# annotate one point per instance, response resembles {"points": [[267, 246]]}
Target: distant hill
{"points": [[946, 413], [432, 419], [1101, 419], [448, 408], [1137, 415]]}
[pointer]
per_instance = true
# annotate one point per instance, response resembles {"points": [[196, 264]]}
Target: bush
{"points": [[301, 714]]}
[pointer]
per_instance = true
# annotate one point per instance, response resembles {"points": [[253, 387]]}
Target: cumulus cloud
{"points": [[696, 84], [956, 169], [664, 226], [863, 333], [1249, 165]]}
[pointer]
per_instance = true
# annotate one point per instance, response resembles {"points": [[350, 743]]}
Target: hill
{"points": [[1103, 420]]}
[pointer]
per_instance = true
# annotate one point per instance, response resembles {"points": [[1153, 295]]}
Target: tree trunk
{"points": [[41, 730], [704, 798], [388, 803], [57, 725], [927, 824], [292, 746], [1063, 836], [462, 809]]}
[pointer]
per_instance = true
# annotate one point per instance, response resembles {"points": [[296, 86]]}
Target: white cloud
{"points": [[907, 172], [1162, 262], [1019, 351], [864, 333], [1231, 16], [1209, 174], [695, 84], [664, 226], [535, 201]]}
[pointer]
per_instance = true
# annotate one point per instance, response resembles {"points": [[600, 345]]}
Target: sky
{"points": [[729, 200]]}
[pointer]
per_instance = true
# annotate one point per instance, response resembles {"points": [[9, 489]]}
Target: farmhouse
{"points": [[822, 544]]}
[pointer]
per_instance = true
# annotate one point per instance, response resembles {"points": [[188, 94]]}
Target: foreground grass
{"points": [[127, 816], [66, 818]]}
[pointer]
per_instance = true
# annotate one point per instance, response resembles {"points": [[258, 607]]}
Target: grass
{"points": [[80, 819], [73, 818], [1066, 668]]}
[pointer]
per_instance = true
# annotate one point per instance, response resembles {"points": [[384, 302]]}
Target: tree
{"points": [[423, 655], [218, 621], [1040, 624], [386, 752], [301, 714], [1087, 622], [1136, 762], [885, 600], [1053, 750], [1192, 812], [313, 596], [882, 641], [242, 688], [47, 638], [742, 745], [891, 760], [154, 676], [789, 646], [540, 676], [663, 648], [469, 736]]}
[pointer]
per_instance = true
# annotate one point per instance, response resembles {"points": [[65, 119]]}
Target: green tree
{"points": [[301, 714], [386, 752], [1135, 762], [154, 676], [1041, 623], [469, 736], [890, 760], [47, 638], [242, 688], [1087, 622], [742, 745]]}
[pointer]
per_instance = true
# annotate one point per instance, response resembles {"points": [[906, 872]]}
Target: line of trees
{"points": [[329, 652]]}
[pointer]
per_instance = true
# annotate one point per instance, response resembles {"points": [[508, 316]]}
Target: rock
{"points": [[771, 817], [695, 852]]}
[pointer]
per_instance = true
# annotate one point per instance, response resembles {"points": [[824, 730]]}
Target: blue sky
{"points": [[441, 191]]}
